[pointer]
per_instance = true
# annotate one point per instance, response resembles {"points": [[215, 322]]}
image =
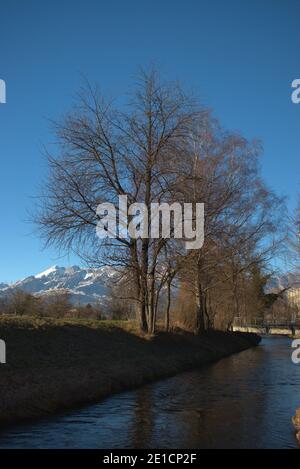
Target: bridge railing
{"points": [[273, 323]]}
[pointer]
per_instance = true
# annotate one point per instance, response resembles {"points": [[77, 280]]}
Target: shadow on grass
{"points": [[57, 364]]}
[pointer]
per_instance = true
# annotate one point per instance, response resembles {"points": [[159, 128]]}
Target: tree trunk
{"points": [[151, 303], [200, 301], [141, 316], [200, 322], [167, 315]]}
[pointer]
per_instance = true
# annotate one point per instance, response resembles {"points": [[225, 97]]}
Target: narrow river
{"points": [[244, 401]]}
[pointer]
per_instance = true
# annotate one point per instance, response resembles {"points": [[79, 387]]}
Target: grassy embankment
{"points": [[55, 364]]}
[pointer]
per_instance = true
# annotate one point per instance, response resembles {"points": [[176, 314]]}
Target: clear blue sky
{"points": [[240, 56]]}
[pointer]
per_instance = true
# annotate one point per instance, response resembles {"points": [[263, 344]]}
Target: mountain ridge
{"points": [[85, 285]]}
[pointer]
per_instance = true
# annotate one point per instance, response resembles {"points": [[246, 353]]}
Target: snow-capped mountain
{"points": [[84, 285]]}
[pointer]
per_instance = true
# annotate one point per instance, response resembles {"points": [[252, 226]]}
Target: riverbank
{"points": [[58, 364]]}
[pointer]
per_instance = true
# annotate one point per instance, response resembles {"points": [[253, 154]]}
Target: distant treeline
{"points": [[56, 304], [255, 305]]}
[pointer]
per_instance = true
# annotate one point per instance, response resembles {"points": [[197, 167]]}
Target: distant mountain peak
{"points": [[47, 272], [85, 285]]}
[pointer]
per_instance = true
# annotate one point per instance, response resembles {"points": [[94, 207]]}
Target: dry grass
{"points": [[55, 364]]}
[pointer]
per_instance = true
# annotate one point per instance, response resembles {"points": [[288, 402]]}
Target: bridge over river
{"points": [[276, 328]]}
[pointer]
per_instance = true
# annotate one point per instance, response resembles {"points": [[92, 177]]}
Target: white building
{"points": [[293, 295]]}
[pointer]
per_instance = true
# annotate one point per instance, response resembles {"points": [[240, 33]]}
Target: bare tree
{"points": [[22, 303], [161, 147], [244, 221], [105, 152]]}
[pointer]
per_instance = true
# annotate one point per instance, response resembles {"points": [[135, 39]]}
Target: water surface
{"points": [[244, 401]]}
